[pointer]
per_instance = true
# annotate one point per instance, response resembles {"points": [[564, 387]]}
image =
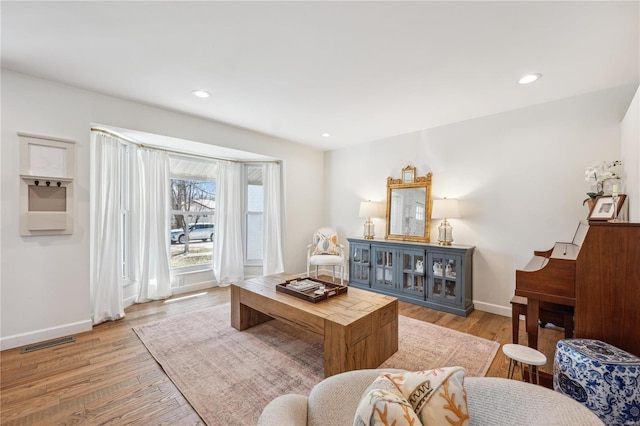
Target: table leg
{"points": [[568, 326], [243, 316], [533, 313], [363, 344], [515, 322]]}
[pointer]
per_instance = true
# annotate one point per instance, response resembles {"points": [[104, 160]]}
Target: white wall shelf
{"points": [[46, 185]]}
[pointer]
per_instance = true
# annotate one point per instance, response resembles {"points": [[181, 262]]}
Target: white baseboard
{"points": [[193, 287], [491, 308], [129, 301], [177, 290], [18, 340]]}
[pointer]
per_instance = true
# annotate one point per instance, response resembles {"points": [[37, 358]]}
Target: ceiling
{"points": [[360, 71]]}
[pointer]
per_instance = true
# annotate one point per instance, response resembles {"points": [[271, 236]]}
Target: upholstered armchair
{"points": [[326, 250]]}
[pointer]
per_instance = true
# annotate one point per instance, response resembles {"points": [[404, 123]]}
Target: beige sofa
{"points": [[492, 402]]}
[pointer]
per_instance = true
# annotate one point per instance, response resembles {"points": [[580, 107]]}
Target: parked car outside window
{"points": [[197, 231]]}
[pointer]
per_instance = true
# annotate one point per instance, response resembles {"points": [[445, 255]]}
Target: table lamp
{"points": [[369, 209], [443, 209]]}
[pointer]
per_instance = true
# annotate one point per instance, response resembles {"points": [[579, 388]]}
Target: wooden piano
{"points": [[598, 274], [548, 282]]}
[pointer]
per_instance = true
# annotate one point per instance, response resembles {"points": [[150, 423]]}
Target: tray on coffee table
{"points": [[309, 289]]}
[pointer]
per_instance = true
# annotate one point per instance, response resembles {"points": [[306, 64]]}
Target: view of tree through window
{"points": [[192, 222]]}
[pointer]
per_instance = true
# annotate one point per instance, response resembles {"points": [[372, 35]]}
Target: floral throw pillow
{"points": [[326, 244], [383, 404]]}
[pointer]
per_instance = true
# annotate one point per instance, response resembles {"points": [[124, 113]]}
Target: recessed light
{"points": [[326, 135], [529, 78], [201, 93]]}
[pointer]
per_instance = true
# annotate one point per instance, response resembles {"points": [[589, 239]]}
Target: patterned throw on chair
{"points": [[602, 377]]}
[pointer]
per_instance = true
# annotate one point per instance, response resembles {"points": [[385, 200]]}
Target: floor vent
{"points": [[48, 344]]}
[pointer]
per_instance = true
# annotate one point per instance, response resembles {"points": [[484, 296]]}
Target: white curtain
{"points": [[228, 262], [272, 252], [151, 245], [106, 285]]}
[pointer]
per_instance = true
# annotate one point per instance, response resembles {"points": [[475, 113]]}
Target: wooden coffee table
{"points": [[360, 328]]}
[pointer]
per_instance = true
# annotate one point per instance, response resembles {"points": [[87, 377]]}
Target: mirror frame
{"points": [[409, 180]]}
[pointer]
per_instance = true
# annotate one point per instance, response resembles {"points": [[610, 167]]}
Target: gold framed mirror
{"points": [[409, 207]]}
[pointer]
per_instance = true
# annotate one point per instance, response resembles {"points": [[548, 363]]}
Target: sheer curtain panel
{"points": [[106, 282], [228, 261], [152, 252], [272, 262]]}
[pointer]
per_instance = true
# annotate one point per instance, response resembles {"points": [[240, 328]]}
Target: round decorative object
{"points": [[600, 376]]}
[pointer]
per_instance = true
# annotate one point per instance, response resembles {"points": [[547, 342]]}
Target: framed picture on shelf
{"points": [[408, 174], [605, 206]]}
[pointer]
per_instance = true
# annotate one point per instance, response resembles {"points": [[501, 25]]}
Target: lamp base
{"points": [[445, 234], [369, 230]]}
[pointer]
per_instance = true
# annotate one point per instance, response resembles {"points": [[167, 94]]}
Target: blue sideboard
{"points": [[426, 274]]}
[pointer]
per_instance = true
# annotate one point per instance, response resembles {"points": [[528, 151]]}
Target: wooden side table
{"points": [[525, 355]]}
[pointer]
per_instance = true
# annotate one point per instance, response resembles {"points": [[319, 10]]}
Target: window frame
{"points": [[189, 217], [247, 213]]}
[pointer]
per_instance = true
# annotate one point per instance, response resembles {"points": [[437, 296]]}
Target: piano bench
{"points": [[601, 377], [560, 315]]}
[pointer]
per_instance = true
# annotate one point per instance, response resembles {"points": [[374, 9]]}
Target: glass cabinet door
{"points": [[413, 274], [444, 285], [383, 267], [360, 263]]}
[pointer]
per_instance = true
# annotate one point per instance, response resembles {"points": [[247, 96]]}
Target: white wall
{"points": [[630, 155], [519, 176], [45, 280]]}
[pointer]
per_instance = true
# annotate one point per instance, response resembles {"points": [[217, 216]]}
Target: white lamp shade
{"points": [[370, 209], [445, 208]]}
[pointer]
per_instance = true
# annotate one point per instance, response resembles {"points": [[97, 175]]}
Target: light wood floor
{"points": [[107, 376]]}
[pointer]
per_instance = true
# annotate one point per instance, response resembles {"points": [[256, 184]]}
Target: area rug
{"points": [[229, 376]]}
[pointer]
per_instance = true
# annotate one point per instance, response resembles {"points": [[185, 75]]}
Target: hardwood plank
{"points": [[108, 376]]}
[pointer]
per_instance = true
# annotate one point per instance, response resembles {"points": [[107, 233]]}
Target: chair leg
{"points": [[334, 273], [316, 271]]}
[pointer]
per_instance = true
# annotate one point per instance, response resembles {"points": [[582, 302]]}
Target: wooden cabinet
{"points": [[608, 285], [438, 277]]}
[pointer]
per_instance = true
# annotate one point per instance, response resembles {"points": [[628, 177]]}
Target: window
{"points": [[193, 190], [253, 224]]}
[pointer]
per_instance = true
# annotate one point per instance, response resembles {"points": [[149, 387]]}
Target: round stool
{"points": [[525, 355]]}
